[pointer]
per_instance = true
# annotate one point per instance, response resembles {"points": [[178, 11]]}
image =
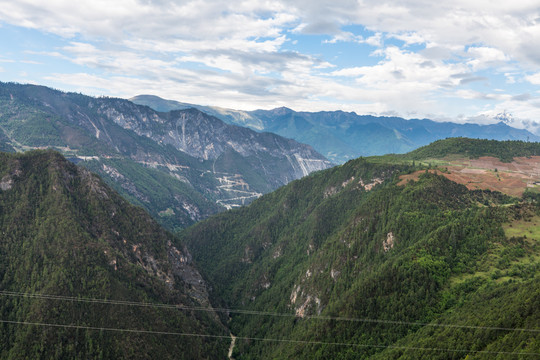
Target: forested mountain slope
{"points": [[474, 148], [352, 262], [80, 269], [181, 166]]}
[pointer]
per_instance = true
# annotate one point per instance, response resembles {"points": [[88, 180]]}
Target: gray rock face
{"points": [[207, 138]]}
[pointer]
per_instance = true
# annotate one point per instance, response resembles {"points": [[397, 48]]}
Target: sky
{"points": [[461, 60]]}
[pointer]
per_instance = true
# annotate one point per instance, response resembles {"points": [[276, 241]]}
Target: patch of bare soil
{"points": [[490, 173]]}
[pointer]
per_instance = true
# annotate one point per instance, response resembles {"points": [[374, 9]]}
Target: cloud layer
{"points": [[417, 58]]}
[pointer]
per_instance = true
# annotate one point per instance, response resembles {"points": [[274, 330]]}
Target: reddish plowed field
{"points": [[490, 173]]}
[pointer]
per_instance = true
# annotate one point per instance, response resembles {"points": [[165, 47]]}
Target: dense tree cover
{"points": [[64, 232], [162, 195], [474, 148], [498, 306], [430, 251]]}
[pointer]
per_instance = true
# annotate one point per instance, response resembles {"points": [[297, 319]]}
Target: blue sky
{"points": [[464, 61]]}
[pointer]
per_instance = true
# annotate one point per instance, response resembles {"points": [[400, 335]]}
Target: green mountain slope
{"points": [[474, 148], [64, 233], [364, 135], [181, 166], [357, 266]]}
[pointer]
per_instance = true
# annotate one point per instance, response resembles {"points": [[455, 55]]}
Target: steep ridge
{"points": [[80, 269], [174, 164], [348, 263], [341, 136]]}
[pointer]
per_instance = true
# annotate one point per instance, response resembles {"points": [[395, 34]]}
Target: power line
{"points": [[305, 342], [252, 312]]}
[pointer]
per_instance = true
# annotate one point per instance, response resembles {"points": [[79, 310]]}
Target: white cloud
{"points": [[477, 95], [345, 36], [483, 57], [150, 21], [507, 26], [409, 38], [349, 72], [534, 79], [404, 68], [404, 81], [375, 40], [510, 78]]}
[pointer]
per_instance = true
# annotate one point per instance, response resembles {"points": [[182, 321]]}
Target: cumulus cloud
{"points": [[506, 26], [534, 79], [412, 69], [409, 38], [345, 36], [148, 21], [483, 57]]}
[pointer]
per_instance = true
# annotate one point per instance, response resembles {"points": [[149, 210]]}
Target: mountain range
{"points": [[433, 253], [182, 166], [341, 136]]}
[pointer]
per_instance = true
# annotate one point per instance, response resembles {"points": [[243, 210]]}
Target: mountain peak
{"points": [[281, 110]]}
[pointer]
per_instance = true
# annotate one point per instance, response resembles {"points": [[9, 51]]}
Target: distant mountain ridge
{"points": [[341, 136], [238, 117], [181, 166]]}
